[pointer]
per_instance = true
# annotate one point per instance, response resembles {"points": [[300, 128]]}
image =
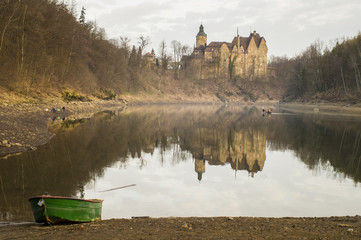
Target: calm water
{"points": [[194, 161]]}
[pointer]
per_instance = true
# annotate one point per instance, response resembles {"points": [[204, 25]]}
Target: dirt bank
{"points": [[325, 108], [23, 126], [194, 228]]}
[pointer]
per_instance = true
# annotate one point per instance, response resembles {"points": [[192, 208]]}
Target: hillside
{"points": [[322, 74], [47, 53]]}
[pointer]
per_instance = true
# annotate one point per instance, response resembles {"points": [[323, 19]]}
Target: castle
{"points": [[243, 57]]}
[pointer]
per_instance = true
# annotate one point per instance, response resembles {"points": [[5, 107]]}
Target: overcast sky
{"points": [[289, 26]]}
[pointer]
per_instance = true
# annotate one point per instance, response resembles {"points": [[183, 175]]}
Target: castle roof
{"points": [[244, 41], [193, 56], [201, 31], [216, 45], [148, 55]]}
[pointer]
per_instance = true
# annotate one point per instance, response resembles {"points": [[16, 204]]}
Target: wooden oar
{"points": [[131, 185]]}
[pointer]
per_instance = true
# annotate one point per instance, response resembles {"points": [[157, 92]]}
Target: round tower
{"points": [[201, 39]]}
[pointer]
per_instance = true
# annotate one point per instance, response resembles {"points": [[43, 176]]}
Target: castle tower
{"points": [[200, 167], [201, 39]]}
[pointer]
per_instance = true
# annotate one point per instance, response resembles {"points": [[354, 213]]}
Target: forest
{"points": [[46, 49], [320, 73]]}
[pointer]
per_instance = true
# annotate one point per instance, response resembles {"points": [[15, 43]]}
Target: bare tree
{"points": [[23, 41], [177, 51], [143, 42], [357, 71], [164, 58], [72, 7], [162, 49], [124, 43], [177, 55], [186, 50]]}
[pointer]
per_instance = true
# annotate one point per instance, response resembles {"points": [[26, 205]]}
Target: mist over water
{"points": [[194, 161]]}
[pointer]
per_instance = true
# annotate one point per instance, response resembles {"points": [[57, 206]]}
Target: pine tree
{"points": [[133, 57], [82, 16], [139, 56]]}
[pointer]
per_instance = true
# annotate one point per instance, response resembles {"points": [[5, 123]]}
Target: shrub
{"points": [[70, 95], [106, 94]]}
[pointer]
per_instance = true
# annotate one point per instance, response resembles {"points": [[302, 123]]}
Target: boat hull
{"points": [[53, 209]]}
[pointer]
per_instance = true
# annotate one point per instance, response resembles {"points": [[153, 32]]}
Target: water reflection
{"points": [[243, 149], [205, 136]]}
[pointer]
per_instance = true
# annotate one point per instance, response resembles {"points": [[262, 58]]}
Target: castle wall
{"points": [[221, 59]]}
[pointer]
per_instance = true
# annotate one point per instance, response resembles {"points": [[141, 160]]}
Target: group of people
{"points": [[55, 110], [59, 111]]}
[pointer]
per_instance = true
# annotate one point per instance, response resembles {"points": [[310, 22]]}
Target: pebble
{"points": [[187, 226], [345, 225]]}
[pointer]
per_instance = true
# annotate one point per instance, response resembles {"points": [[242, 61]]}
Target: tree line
{"points": [[320, 73], [45, 46]]}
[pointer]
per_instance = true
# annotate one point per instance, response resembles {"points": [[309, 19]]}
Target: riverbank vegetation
{"points": [[320, 73]]}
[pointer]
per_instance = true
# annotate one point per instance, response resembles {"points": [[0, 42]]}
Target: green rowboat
{"points": [[54, 209]]}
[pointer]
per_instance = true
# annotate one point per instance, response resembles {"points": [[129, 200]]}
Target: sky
{"points": [[288, 26]]}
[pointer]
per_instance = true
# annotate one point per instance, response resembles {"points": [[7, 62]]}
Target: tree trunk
{"points": [[23, 42], [6, 26], [357, 72], [70, 54], [343, 80]]}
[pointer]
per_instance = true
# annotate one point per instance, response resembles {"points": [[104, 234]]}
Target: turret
{"points": [[201, 39], [238, 40]]}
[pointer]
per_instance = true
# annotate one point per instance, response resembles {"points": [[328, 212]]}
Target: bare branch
{"points": [[143, 42]]}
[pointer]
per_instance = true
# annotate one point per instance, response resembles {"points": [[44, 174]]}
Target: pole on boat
{"points": [[131, 185]]}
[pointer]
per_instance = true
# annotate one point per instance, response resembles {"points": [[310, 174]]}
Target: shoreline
{"points": [[348, 227], [323, 108], [24, 127]]}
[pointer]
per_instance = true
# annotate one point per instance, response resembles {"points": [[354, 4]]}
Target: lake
{"points": [[206, 160]]}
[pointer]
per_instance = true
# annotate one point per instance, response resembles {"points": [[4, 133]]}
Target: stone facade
{"points": [[243, 57]]}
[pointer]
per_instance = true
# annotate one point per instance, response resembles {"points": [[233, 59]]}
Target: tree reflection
{"points": [[235, 136]]}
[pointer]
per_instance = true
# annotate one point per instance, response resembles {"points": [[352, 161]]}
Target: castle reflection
{"points": [[242, 149]]}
